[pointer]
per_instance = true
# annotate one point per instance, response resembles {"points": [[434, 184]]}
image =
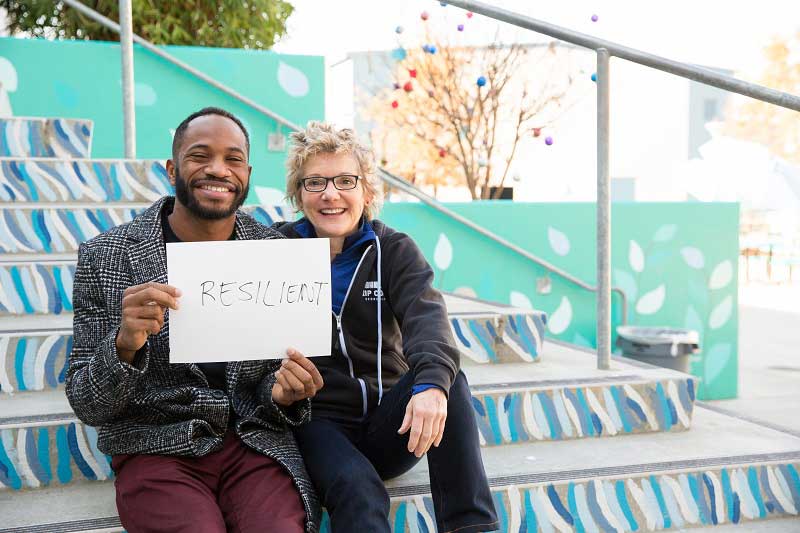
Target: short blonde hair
{"points": [[323, 137]]}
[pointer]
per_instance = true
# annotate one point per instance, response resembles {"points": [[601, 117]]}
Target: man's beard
{"points": [[186, 196]]}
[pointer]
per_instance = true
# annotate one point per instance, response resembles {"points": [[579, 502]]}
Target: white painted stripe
{"points": [[641, 500], [573, 414], [7, 358], [515, 518], [41, 289], [535, 332], [62, 229], [542, 516], [7, 302], [57, 242], [517, 349], [136, 185], [748, 505], [41, 359], [34, 168], [538, 413], [688, 512], [15, 243], [597, 407], [86, 453], [89, 229], [555, 518], [24, 469], [779, 487], [114, 216], [611, 407], [563, 417], [648, 412], [719, 501], [587, 520], [463, 349], [688, 496], [610, 515], [527, 415], [423, 511], [672, 389], [610, 497]]}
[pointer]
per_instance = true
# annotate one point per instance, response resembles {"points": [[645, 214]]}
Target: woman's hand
{"points": [[296, 379], [426, 413]]}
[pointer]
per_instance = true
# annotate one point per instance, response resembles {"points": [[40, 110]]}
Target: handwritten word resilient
{"points": [[266, 293]]}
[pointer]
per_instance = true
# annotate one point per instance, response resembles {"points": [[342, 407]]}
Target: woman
{"points": [[393, 390]]}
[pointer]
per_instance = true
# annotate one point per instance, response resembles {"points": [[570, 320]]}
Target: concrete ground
{"points": [[769, 354]]}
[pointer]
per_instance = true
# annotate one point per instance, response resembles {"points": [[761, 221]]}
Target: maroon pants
{"points": [[235, 489]]}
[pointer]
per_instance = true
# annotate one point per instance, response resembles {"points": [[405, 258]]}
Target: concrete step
{"points": [[62, 138], [562, 398], [96, 181], [725, 471], [32, 231]]}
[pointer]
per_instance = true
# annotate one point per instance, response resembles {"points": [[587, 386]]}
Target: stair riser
{"points": [[82, 180], [32, 137], [735, 495], [61, 230], [33, 362], [562, 413], [500, 339]]}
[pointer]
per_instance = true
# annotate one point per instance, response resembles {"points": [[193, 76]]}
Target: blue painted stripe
{"points": [[482, 338], [8, 474], [699, 497], [491, 411], [43, 450], [662, 399], [594, 509], [623, 413], [727, 492], [558, 506], [19, 363], [582, 418], [772, 503], [790, 473], [500, 509], [400, 518], [459, 334], [573, 508], [18, 285], [550, 412], [587, 412], [60, 296], [50, 363], [622, 498], [531, 523], [75, 451], [752, 481], [712, 498], [661, 503], [32, 456]]}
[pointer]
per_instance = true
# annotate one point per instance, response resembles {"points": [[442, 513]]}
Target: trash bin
{"points": [[661, 346]]}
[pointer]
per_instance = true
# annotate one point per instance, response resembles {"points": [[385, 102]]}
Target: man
{"points": [[195, 447]]}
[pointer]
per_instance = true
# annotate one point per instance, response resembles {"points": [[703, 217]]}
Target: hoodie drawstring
{"points": [[380, 328]]}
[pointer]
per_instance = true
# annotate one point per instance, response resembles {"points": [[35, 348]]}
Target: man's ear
{"points": [[171, 172]]}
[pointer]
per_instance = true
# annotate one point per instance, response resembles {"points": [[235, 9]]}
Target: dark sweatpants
{"points": [[235, 489], [348, 461]]}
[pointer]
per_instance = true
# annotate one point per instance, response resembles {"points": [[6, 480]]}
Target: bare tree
{"points": [[461, 112]]}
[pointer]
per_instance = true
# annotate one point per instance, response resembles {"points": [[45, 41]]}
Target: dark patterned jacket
{"points": [[152, 406]]}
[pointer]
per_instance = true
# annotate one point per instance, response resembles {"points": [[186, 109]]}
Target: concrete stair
{"points": [[567, 447]]}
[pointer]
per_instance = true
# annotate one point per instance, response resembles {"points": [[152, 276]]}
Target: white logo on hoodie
{"points": [[372, 291]]}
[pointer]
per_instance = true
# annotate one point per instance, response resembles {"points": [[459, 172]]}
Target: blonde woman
{"points": [[393, 389]]}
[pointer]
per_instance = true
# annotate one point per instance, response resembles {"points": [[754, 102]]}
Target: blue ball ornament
{"points": [[481, 81], [594, 76], [398, 29], [431, 49], [426, 48]]}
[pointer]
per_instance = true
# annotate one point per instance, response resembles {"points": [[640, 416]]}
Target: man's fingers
{"points": [[426, 437], [146, 311], [416, 433], [150, 326], [307, 365], [169, 289], [295, 384], [150, 296], [440, 435], [300, 373]]}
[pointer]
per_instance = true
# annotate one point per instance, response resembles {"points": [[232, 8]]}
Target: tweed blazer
{"points": [[153, 406]]}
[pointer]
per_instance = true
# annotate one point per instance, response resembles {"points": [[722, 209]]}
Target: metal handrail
{"points": [[387, 176], [605, 50]]}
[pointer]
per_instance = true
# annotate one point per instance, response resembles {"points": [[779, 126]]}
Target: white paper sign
{"points": [[245, 300]]}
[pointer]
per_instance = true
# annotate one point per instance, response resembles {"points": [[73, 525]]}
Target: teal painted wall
{"points": [[677, 263], [82, 79]]}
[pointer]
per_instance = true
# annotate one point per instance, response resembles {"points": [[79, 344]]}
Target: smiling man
{"points": [[195, 447]]}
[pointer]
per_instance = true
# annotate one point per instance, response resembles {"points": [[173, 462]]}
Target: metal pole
{"points": [[128, 93], [603, 214]]}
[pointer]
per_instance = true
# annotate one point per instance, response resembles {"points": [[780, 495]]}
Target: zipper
{"points": [[340, 331]]}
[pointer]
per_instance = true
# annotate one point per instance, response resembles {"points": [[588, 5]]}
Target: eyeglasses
{"points": [[343, 182]]}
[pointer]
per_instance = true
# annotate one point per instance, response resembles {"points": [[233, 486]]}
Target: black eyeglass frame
{"points": [[331, 179]]}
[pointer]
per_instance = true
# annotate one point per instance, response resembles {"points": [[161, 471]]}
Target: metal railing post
{"points": [[603, 213], [128, 91]]}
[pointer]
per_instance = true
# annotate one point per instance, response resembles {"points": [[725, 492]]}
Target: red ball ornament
{"points": [[412, 72], [424, 15], [442, 152], [408, 87], [537, 132], [395, 104], [469, 14]]}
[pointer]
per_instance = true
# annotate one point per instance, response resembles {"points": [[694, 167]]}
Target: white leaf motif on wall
{"points": [[517, 299], [665, 233], [443, 254], [561, 317], [269, 196], [693, 257], [652, 301], [145, 95], [721, 313], [292, 80], [716, 360], [559, 242], [722, 275], [636, 256]]}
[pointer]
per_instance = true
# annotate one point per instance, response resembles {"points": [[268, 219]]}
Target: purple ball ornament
{"points": [[595, 18], [481, 81], [460, 27], [548, 141], [396, 86]]}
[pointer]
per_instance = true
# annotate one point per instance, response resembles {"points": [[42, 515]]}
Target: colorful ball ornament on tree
{"points": [[548, 141], [408, 87], [430, 93], [395, 104], [398, 30], [431, 49], [537, 132], [595, 18], [426, 48], [469, 14], [396, 86], [412, 72], [481, 81], [594, 76], [460, 27], [424, 15], [442, 152]]}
